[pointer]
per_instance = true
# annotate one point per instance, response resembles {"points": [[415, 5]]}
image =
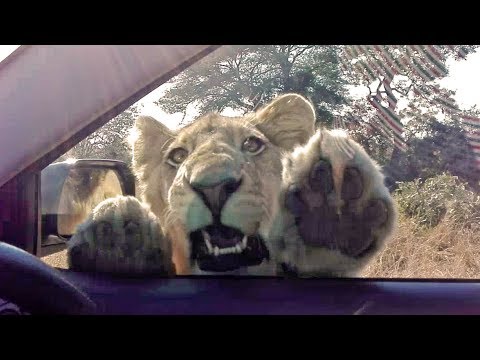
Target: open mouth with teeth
{"points": [[222, 248]]}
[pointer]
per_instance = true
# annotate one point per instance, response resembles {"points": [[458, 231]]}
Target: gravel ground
{"points": [[58, 259]]}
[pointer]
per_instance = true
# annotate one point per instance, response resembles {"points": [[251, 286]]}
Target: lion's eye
{"points": [[253, 145], [177, 156]]}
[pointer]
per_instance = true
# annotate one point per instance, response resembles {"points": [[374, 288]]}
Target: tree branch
{"points": [[379, 84], [262, 73], [181, 122], [300, 52], [254, 67], [234, 97], [262, 94], [402, 93]]}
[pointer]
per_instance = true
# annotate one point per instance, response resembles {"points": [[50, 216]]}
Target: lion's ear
{"points": [[287, 121], [147, 139]]}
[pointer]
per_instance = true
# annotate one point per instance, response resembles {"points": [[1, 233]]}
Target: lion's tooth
{"points": [[209, 246], [215, 250], [206, 237], [229, 250], [244, 242]]}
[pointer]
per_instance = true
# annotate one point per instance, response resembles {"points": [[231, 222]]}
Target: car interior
{"points": [[54, 96]]}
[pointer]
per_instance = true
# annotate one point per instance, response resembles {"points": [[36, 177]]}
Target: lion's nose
{"points": [[216, 195]]}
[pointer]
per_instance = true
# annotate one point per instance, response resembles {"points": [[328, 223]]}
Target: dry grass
{"points": [[440, 252], [443, 251]]}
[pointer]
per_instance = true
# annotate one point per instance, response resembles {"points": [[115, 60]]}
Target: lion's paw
{"points": [[340, 211], [121, 235]]}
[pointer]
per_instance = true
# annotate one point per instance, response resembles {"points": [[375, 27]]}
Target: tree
{"points": [[436, 145], [245, 77], [108, 142], [409, 73]]}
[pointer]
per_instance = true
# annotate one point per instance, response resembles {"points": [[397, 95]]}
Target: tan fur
{"points": [[121, 235], [78, 198], [341, 151], [214, 146]]}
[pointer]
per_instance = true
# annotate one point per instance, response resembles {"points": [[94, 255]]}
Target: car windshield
{"points": [[321, 160]]}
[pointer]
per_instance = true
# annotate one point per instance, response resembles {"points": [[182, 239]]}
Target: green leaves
{"points": [[244, 78], [439, 197], [108, 142]]}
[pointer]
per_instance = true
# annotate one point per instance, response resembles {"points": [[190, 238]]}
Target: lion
{"points": [[82, 191], [265, 193]]}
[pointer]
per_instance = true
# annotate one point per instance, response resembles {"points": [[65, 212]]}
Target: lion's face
{"points": [[215, 183]]}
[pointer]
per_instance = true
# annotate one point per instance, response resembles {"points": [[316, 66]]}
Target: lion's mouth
{"points": [[223, 248]]}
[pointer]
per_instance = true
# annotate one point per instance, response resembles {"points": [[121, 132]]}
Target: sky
{"points": [[464, 78]]}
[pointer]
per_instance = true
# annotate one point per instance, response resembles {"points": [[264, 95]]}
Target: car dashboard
{"points": [[248, 295]]}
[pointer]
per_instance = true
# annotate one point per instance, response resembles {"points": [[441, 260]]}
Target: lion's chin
{"points": [[221, 248]]}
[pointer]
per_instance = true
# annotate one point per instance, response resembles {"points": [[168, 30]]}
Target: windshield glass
{"points": [[314, 160]]}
